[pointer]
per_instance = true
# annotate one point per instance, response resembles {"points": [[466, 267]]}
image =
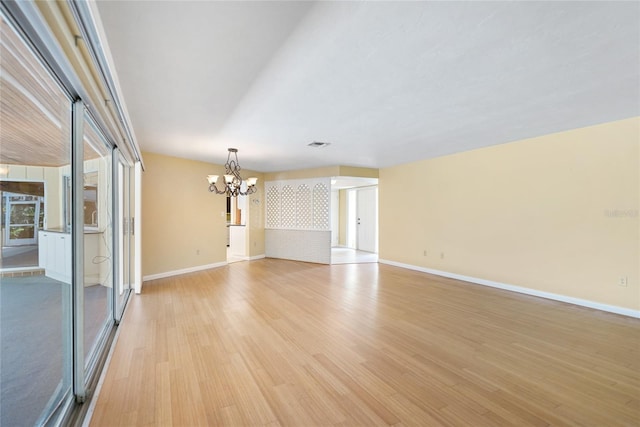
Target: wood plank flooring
{"points": [[275, 342]]}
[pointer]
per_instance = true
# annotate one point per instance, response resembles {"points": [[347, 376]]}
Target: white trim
{"points": [[183, 271], [245, 258], [137, 228], [528, 291]]}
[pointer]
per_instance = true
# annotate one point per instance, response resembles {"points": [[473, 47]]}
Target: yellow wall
{"points": [[303, 173], [255, 211], [180, 216], [358, 172], [557, 213], [342, 219], [322, 172]]}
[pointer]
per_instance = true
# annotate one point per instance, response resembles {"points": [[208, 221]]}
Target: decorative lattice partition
{"points": [[298, 220], [298, 204]]}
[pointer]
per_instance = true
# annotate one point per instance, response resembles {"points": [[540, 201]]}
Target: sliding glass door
{"points": [[66, 266], [35, 275], [97, 228], [125, 242]]}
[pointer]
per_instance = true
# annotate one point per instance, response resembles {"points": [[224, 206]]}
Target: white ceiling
{"points": [[384, 82]]}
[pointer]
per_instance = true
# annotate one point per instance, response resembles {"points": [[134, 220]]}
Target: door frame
{"points": [[8, 241], [358, 191], [335, 218], [353, 195], [122, 173]]}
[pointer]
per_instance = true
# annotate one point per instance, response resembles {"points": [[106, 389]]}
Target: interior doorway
{"points": [[366, 219], [237, 215], [356, 208]]}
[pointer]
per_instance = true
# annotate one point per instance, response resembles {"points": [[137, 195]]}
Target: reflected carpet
{"points": [[32, 321]]}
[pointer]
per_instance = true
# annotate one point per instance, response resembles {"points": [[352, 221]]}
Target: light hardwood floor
{"points": [[274, 342]]}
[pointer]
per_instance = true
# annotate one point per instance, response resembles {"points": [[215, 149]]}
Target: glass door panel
{"points": [[124, 240], [35, 304], [98, 240]]}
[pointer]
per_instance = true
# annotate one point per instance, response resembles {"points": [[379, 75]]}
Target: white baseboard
{"points": [[183, 271], [255, 257], [528, 291]]}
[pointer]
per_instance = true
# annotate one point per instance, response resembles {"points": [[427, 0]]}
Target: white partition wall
{"points": [[298, 220]]}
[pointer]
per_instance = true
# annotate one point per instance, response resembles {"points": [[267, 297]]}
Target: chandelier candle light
{"points": [[232, 178]]}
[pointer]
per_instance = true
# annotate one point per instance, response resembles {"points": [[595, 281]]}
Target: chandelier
{"points": [[232, 178]]}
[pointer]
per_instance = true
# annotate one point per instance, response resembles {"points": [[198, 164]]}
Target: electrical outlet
{"points": [[425, 253], [197, 251], [623, 281], [441, 255]]}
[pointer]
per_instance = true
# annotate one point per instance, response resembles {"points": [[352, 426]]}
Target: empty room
{"points": [[305, 213]]}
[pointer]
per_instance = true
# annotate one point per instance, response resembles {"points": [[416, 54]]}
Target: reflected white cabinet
{"points": [[54, 255]]}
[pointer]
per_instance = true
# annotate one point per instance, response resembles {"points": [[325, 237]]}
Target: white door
{"points": [[335, 217], [367, 219]]}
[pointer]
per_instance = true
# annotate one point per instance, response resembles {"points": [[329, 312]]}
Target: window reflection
{"points": [[98, 253], [35, 284]]}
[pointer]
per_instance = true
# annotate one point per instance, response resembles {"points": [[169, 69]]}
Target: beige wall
{"points": [[328, 171], [303, 173], [180, 216], [358, 172], [342, 220], [255, 212], [558, 213]]}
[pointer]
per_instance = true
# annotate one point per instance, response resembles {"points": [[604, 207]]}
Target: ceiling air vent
{"points": [[318, 144]]}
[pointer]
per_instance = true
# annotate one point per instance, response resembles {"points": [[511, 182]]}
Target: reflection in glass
{"points": [[35, 286], [91, 199], [98, 235]]}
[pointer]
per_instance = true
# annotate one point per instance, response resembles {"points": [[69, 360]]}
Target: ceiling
{"points": [[384, 82]]}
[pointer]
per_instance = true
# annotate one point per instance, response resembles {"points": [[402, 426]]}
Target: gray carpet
{"points": [[31, 342], [19, 256]]}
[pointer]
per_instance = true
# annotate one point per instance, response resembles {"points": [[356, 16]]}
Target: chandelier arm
{"points": [[250, 190], [214, 189]]}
